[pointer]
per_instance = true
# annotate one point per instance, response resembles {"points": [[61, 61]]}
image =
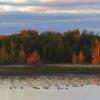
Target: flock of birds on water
{"points": [[47, 85]]}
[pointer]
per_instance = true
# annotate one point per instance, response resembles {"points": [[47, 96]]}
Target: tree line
{"points": [[32, 47]]}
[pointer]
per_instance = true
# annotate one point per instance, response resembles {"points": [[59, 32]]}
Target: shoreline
{"points": [[48, 70]]}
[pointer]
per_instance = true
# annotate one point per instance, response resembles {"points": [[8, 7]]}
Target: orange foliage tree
{"points": [[34, 58], [96, 53]]}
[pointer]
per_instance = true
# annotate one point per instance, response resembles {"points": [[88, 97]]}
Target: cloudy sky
{"points": [[70, 6], [44, 15]]}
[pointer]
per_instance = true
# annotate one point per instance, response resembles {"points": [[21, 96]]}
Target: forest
{"points": [[50, 47]]}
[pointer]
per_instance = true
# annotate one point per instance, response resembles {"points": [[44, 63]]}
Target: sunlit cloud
{"points": [[48, 6], [15, 1], [40, 9], [19, 1], [46, 0]]}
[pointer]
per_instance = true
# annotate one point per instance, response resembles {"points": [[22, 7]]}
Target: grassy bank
{"points": [[22, 70]]}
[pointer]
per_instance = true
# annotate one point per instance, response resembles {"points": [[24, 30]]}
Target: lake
{"points": [[70, 87]]}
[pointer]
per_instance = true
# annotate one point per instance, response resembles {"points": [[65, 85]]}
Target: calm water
{"points": [[71, 87], [15, 21]]}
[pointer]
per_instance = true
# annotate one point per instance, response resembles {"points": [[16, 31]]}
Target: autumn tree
{"points": [[21, 56], [96, 53], [4, 56], [34, 58], [30, 40], [74, 59], [52, 47], [28, 46], [71, 42], [86, 42], [81, 58]]}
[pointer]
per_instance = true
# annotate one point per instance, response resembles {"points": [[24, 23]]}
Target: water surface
{"points": [[71, 87]]}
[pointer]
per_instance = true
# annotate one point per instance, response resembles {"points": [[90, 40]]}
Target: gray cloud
{"points": [[15, 21], [52, 4], [49, 7]]}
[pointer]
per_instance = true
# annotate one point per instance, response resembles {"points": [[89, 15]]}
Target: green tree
{"points": [[21, 56], [4, 56]]}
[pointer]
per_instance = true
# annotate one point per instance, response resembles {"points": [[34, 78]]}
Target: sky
{"points": [[71, 6], [43, 15]]}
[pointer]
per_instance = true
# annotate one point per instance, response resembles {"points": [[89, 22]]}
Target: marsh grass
{"points": [[47, 70]]}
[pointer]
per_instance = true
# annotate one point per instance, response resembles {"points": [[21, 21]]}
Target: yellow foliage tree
{"points": [[4, 56], [81, 58], [74, 59]]}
